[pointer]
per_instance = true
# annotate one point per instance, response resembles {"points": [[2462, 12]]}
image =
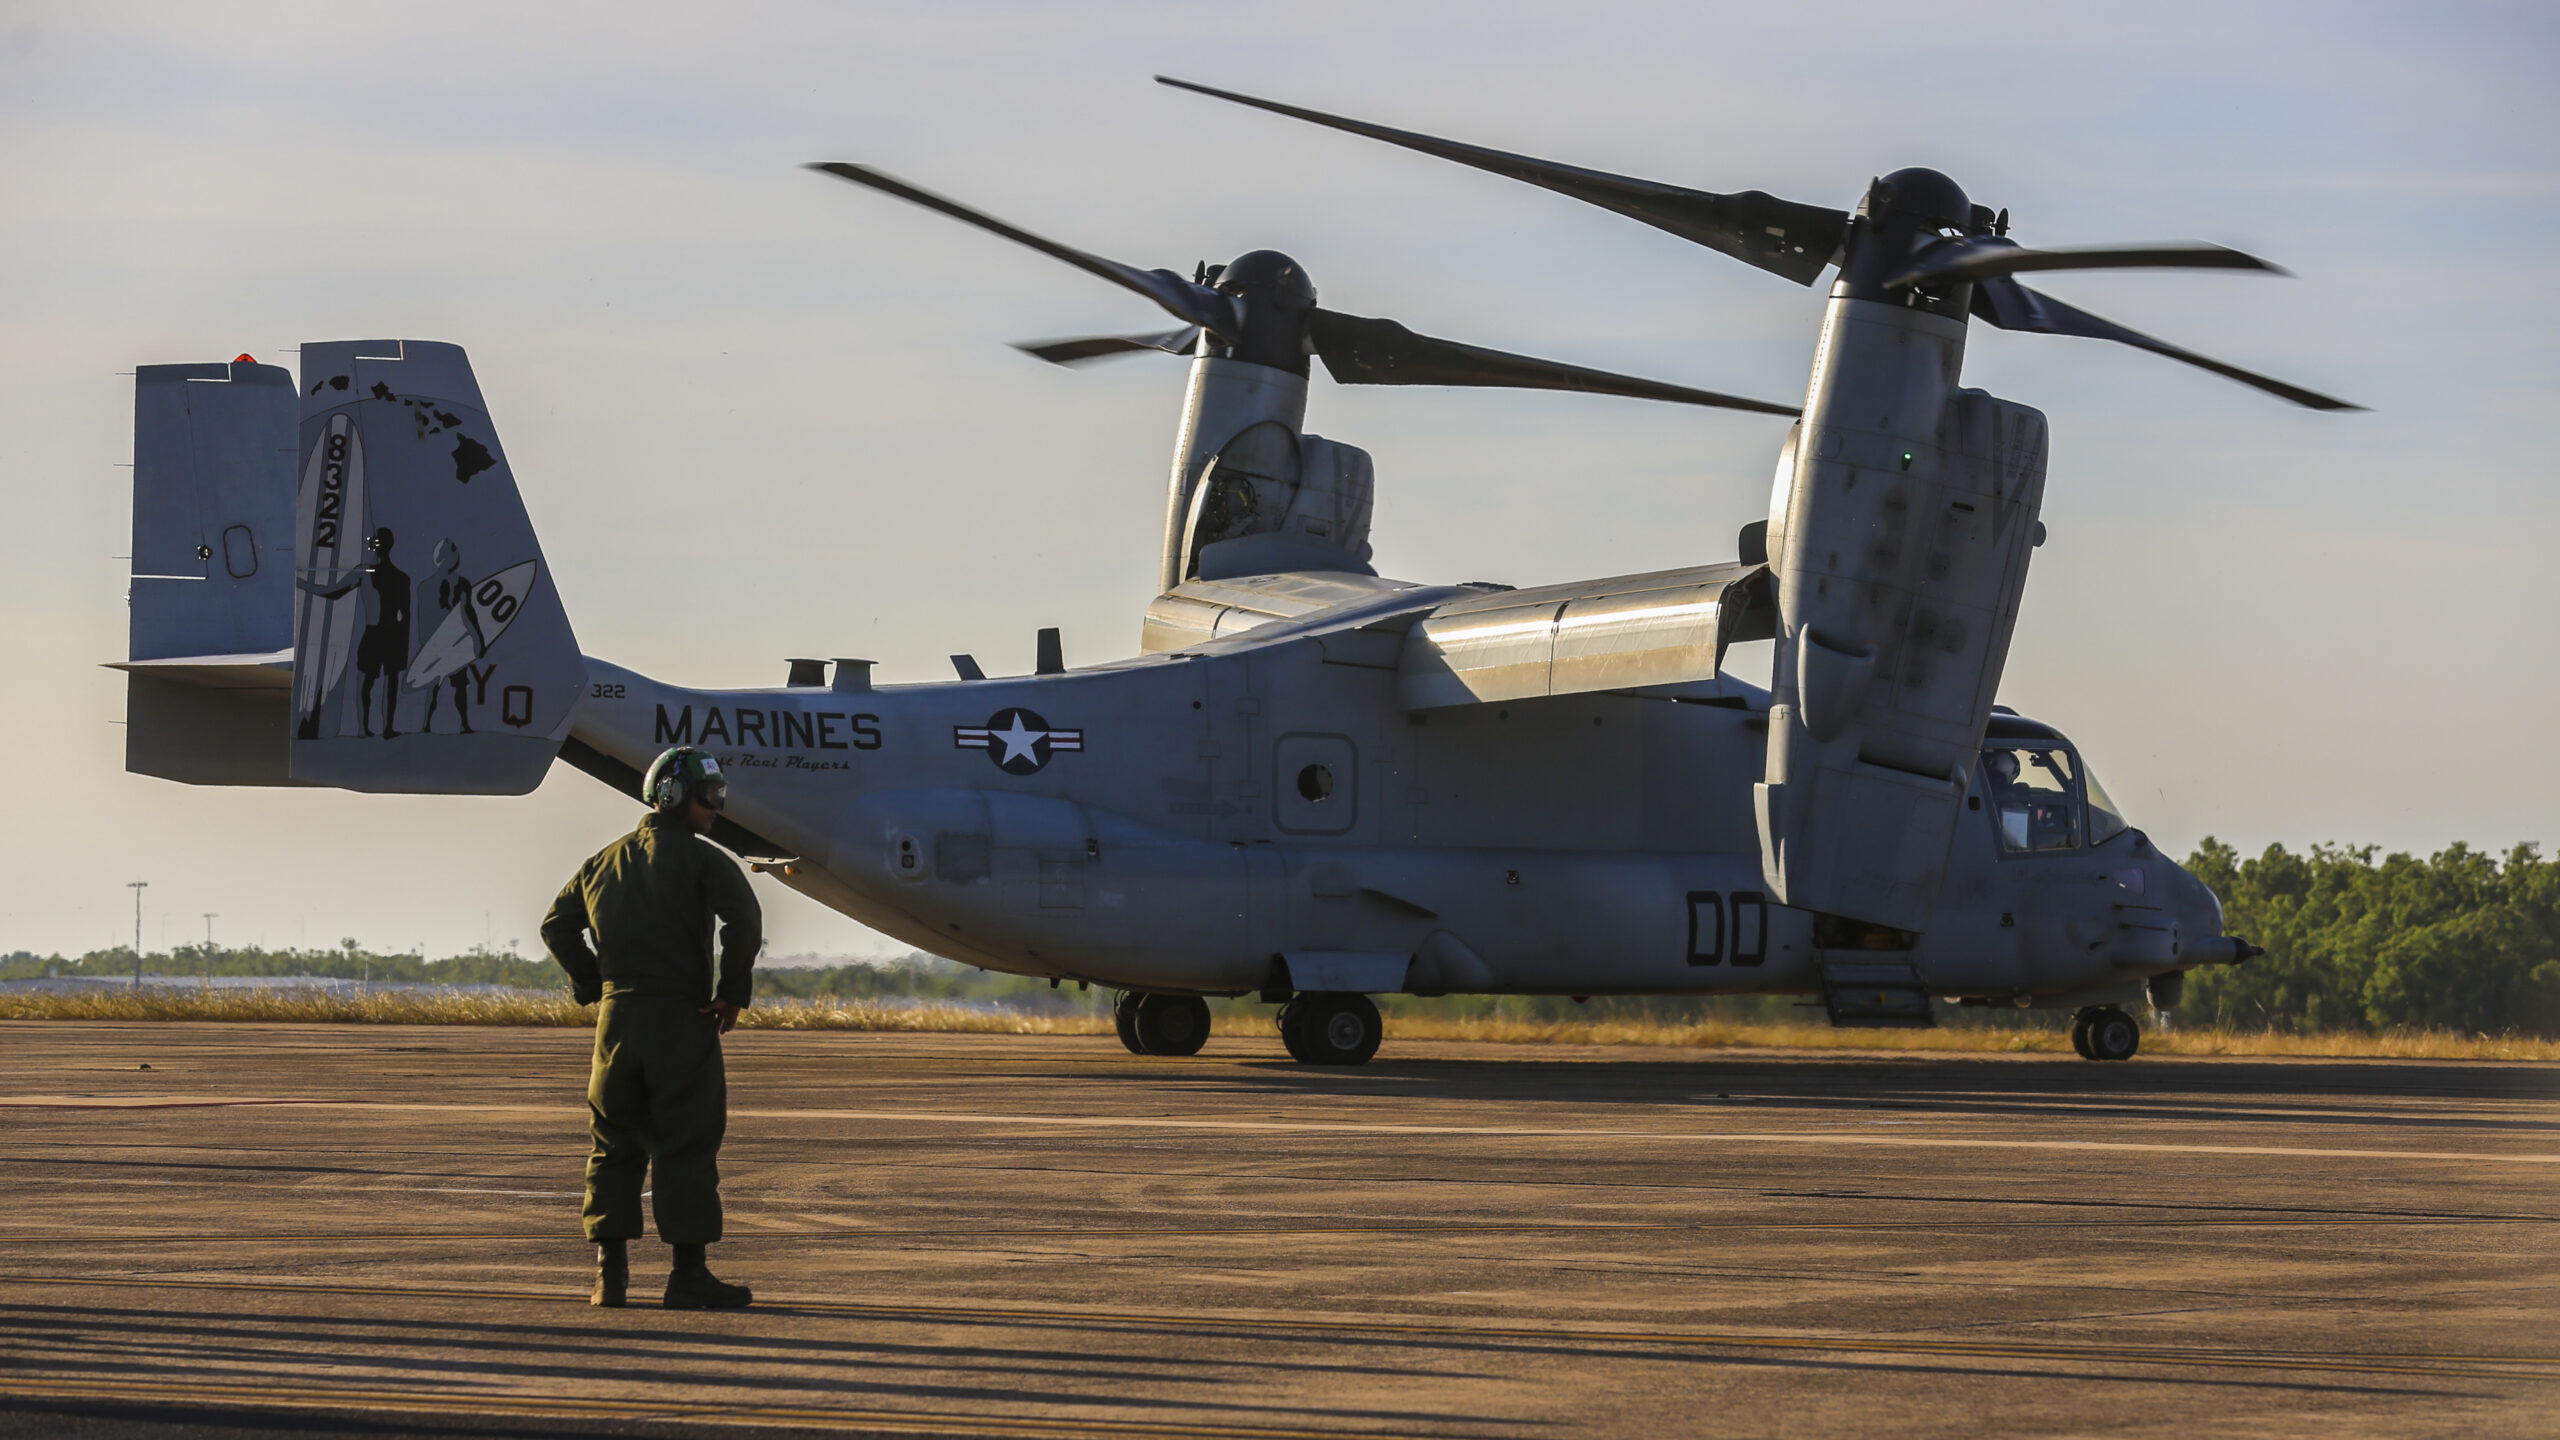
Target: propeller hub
{"points": [[1924, 196], [1902, 213], [1275, 299]]}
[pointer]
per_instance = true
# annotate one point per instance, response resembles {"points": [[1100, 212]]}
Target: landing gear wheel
{"points": [[1293, 1031], [1124, 1018], [2080, 1035], [1170, 1024], [1336, 1028], [2113, 1035]]}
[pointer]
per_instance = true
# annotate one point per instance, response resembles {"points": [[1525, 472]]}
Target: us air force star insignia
{"points": [[1017, 740]]}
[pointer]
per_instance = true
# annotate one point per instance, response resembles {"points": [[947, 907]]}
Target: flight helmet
{"points": [[685, 771]]}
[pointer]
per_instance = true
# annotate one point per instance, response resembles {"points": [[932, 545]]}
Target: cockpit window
{"points": [[2034, 792], [2106, 822]]}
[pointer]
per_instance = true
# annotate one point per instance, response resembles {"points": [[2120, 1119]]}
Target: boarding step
{"points": [[1876, 993]]}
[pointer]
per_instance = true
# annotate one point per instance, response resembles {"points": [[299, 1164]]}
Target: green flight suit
{"points": [[657, 1092]]}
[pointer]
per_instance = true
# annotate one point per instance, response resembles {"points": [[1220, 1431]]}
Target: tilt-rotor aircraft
{"points": [[1313, 784]]}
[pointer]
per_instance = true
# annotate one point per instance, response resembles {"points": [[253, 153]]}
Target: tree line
{"points": [[2460, 940], [348, 961]]}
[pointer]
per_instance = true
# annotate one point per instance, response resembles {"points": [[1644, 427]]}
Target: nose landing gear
{"points": [[2105, 1033]]}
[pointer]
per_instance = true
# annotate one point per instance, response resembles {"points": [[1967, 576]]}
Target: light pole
{"points": [[209, 918], [137, 887]]}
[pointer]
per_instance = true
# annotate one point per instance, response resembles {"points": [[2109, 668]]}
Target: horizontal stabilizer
{"points": [[431, 652], [209, 719], [272, 670]]}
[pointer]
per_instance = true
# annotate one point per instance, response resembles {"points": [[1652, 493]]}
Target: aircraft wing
{"points": [[1198, 611], [1635, 631], [1471, 645]]}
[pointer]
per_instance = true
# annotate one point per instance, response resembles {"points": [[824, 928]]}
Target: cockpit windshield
{"points": [[2106, 822], [2034, 790]]}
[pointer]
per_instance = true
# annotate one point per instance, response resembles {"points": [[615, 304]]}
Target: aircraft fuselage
{"points": [[1184, 822]]}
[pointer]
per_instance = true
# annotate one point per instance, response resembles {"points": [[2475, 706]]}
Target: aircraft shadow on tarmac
{"points": [[1980, 1084]]}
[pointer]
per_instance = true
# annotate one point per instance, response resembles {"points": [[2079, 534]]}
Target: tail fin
{"points": [[212, 596], [431, 654], [213, 454]]}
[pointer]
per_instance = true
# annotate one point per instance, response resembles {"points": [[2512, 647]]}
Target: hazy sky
{"points": [[758, 413]]}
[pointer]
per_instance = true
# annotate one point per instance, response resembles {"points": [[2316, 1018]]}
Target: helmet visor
{"points": [[714, 796]]}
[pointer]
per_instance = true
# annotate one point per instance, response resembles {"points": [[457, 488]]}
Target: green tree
{"points": [[2459, 940]]}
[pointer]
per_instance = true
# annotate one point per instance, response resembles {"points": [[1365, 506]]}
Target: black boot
{"points": [[613, 1274], [692, 1286]]}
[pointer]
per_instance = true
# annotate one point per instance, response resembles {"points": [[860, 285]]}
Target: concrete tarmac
{"points": [[373, 1230]]}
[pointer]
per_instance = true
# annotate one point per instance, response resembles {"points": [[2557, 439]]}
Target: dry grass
{"points": [[413, 1008], [400, 1007], [2389, 1045], [289, 1006]]}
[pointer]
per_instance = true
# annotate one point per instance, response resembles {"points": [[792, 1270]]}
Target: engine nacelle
{"points": [[1900, 548]]}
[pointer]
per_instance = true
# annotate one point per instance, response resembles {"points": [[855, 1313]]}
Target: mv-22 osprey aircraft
{"points": [[1314, 784]]}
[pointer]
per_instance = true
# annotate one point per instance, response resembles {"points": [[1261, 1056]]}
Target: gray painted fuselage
{"points": [[1550, 846]]}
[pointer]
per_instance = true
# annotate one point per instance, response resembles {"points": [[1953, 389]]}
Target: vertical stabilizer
{"points": [[213, 453], [212, 595], [431, 652]]}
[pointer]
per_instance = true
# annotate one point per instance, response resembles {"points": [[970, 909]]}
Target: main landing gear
{"points": [[1161, 1024], [2105, 1033], [1322, 1027], [1328, 1027]]}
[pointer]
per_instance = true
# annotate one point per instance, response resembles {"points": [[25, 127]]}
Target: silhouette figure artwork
{"points": [[450, 594], [382, 648]]}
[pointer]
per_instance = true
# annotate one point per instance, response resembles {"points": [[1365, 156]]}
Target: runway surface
{"points": [[372, 1230]]}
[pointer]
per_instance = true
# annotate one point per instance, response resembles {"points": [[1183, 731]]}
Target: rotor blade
{"points": [[1360, 351], [1984, 257], [1779, 236], [2012, 306], [1195, 304], [1098, 347]]}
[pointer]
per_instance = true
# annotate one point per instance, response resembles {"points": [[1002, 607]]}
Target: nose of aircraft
{"points": [[2200, 920]]}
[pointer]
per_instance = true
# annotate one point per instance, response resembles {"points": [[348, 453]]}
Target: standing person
{"points": [[657, 1093]]}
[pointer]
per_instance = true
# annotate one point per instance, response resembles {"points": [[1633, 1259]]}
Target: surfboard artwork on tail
{"points": [[475, 614], [401, 470], [329, 514]]}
